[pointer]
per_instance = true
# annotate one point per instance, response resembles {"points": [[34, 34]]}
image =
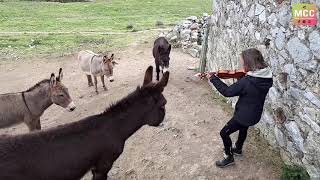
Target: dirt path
{"points": [[187, 144]]}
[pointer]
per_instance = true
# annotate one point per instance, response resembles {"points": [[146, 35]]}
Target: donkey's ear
{"points": [[112, 56], [164, 81], [52, 80], [105, 59], [60, 77], [148, 76]]}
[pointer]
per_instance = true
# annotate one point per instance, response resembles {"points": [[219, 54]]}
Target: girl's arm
{"points": [[228, 91]]}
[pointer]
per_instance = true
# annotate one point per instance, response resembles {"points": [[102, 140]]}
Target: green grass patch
{"points": [[57, 28], [294, 173], [27, 46], [99, 16]]}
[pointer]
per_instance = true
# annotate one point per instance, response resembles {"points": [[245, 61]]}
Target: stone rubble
{"points": [[188, 34]]}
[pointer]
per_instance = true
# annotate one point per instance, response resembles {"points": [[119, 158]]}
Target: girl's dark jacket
{"points": [[252, 90]]}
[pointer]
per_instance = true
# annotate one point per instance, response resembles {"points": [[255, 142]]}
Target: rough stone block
{"points": [[298, 51], [314, 39], [279, 137], [259, 9], [280, 40], [295, 134], [312, 98]]}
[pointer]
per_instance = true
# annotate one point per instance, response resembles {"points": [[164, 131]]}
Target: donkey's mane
{"points": [[126, 101], [38, 84]]}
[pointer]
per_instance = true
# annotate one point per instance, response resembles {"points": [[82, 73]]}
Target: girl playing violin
{"points": [[252, 90]]}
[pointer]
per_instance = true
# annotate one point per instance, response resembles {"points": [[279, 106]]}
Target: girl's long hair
{"points": [[253, 60]]}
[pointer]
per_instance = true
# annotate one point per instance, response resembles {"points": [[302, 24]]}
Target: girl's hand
{"points": [[210, 75]]}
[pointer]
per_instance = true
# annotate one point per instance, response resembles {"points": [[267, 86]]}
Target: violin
{"points": [[225, 74]]}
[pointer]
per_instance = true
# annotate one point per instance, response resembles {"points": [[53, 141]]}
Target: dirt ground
{"points": [[184, 147]]}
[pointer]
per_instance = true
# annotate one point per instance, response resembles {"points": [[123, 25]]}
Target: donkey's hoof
{"points": [[89, 85], [105, 88]]}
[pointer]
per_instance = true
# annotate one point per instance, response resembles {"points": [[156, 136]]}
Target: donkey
{"points": [[28, 106], [93, 64], [161, 53], [93, 143]]}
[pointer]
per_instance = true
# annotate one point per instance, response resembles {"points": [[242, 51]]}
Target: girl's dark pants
{"points": [[231, 127]]}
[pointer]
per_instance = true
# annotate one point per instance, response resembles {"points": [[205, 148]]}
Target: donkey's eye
{"points": [[61, 95]]}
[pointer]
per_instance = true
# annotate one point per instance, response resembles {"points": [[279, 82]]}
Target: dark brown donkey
{"points": [[93, 143], [161, 53]]}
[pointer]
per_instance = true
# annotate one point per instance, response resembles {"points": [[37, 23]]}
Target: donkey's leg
{"points": [[158, 71], [95, 83], [103, 85], [89, 80], [33, 124], [101, 170]]}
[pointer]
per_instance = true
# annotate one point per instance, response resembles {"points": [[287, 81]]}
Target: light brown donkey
{"points": [[28, 106]]}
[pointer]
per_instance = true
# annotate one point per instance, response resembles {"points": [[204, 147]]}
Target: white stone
{"points": [[290, 69], [186, 24], [310, 66], [312, 113], [251, 11], [295, 93], [173, 39], [314, 39], [279, 137], [257, 35], [262, 17], [272, 19], [280, 40], [274, 31], [259, 9], [301, 35], [310, 122], [251, 28], [298, 51], [194, 26], [185, 34], [267, 118], [312, 98], [192, 18], [295, 133], [244, 4], [284, 15], [273, 94], [228, 23]]}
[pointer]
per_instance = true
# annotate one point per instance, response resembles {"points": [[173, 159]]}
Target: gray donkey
{"points": [[93, 64], [28, 106]]}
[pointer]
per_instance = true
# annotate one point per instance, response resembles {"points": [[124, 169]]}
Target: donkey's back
{"points": [[12, 109], [86, 62]]}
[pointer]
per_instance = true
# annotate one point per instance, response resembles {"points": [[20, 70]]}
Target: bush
{"points": [[294, 173]]}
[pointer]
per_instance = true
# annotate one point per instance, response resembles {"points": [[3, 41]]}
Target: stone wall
{"points": [[291, 120], [188, 34]]}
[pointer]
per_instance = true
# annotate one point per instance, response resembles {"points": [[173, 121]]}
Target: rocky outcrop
{"points": [[291, 120]]}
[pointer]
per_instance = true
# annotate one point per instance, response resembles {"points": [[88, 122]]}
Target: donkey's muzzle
{"points": [[71, 107], [111, 78]]}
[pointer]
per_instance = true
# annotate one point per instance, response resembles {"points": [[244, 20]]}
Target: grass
{"points": [[64, 27], [294, 173]]}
